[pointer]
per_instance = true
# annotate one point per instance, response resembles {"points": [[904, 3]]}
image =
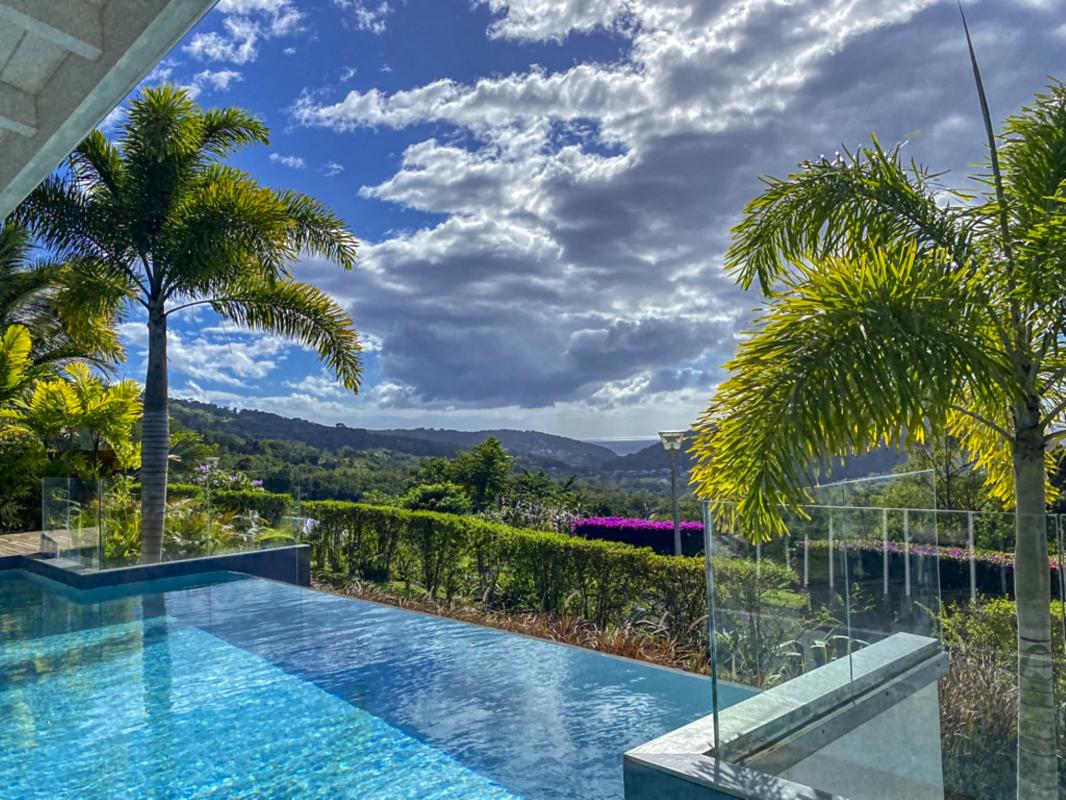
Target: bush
{"points": [[449, 498], [979, 697], [608, 583], [271, 506], [656, 534]]}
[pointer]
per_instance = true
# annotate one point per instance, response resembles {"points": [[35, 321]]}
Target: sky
{"points": [[543, 189]]}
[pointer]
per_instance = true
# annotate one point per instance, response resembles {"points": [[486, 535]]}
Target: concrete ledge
{"points": [[764, 736]]}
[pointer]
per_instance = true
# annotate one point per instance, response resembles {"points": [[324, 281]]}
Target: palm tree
{"points": [[895, 308], [156, 221]]}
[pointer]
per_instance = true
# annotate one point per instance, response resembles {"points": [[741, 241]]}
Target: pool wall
{"points": [[865, 730], [288, 564]]}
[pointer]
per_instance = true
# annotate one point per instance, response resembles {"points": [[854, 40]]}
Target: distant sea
{"points": [[624, 447]]}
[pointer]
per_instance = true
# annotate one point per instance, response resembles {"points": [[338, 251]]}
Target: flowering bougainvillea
{"points": [[653, 533]]}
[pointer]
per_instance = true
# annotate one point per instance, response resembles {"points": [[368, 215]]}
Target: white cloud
{"points": [[583, 212], [553, 20], [233, 357], [367, 14], [245, 24], [347, 74], [332, 168], [293, 162], [219, 80]]}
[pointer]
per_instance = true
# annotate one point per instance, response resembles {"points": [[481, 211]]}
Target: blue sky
{"points": [[544, 188]]}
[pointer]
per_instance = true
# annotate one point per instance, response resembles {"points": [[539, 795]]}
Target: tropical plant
{"points": [[158, 222], [29, 295], [894, 307], [449, 498], [75, 416]]}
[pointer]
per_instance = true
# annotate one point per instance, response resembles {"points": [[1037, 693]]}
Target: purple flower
{"points": [[625, 523]]}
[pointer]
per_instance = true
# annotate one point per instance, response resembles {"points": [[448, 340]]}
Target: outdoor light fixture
{"points": [[672, 440], [672, 444]]}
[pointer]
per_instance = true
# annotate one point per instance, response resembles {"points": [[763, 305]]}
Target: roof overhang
{"points": [[64, 65]]}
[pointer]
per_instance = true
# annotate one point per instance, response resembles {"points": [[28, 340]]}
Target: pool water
{"points": [[251, 688]]}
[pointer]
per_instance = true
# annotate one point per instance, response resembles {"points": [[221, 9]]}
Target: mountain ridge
{"points": [[532, 449]]}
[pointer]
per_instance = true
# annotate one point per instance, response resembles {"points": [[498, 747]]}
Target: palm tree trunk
{"points": [[155, 442], [1037, 767]]}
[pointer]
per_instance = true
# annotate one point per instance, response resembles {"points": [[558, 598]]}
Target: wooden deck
{"points": [[21, 544], [34, 543]]}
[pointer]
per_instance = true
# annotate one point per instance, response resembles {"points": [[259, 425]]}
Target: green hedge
{"points": [[271, 506], [457, 556]]}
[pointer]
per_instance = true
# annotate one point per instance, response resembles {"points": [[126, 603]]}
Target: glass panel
{"points": [[71, 520], [96, 524], [858, 565]]}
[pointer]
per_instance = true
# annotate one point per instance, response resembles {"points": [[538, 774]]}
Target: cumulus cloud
{"points": [[585, 210], [245, 25], [293, 162], [367, 15], [227, 356]]}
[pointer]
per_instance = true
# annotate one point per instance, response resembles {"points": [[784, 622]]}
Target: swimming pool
{"points": [[244, 687]]}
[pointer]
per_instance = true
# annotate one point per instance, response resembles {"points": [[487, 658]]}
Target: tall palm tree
{"points": [[157, 221], [890, 310]]}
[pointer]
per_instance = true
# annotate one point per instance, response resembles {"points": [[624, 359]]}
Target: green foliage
{"points": [[456, 556], [188, 450], [74, 417], [448, 498], [272, 507], [888, 313], [979, 697], [484, 471], [238, 520]]}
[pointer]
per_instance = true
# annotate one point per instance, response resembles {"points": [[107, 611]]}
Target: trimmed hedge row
{"points": [[272, 506], [457, 556]]}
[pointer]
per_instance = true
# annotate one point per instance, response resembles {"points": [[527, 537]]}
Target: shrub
{"points": [[271, 506], [449, 498], [656, 534], [608, 583], [979, 697]]}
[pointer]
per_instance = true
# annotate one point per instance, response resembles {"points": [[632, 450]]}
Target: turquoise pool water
{"points": [[250, 688]]}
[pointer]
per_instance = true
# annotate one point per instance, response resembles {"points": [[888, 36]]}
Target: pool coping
{"points": [[769, 732], [286, 564]]}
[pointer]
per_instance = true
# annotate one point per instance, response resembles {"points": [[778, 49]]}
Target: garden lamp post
{"points": [[211, 463], [672, 444]]}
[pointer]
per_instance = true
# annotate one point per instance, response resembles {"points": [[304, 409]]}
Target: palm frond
{"points": [[318, 231], [837, 207], [226, 130], [858, 352], [300, 312]]}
